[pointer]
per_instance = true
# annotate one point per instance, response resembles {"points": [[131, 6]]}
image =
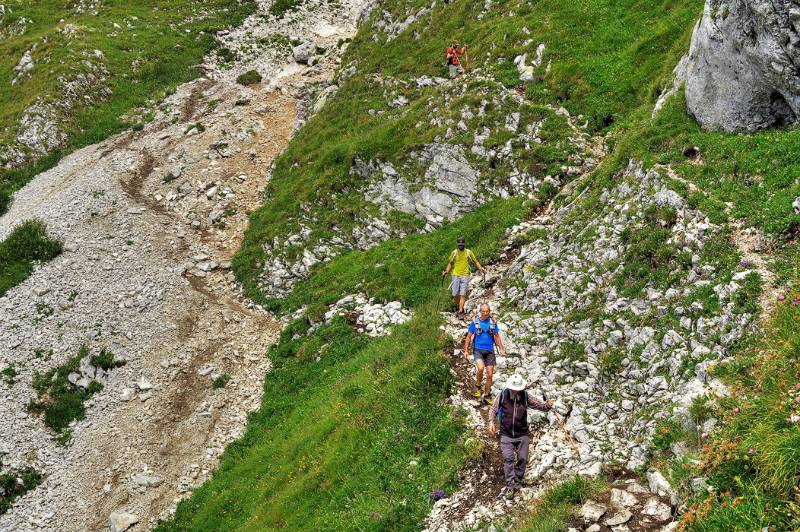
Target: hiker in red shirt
{"points": [[453, 61]]}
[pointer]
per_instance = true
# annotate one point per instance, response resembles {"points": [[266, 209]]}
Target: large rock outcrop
{"points": [[744, 65]]}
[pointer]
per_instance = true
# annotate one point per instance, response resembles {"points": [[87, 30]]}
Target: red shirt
{"points": [[452, 55]]}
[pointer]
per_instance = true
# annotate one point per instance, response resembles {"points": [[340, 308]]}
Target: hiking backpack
{"points": [[502, 398]]}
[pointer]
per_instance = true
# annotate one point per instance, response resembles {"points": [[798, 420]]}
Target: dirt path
{"points": [[151, 220]]}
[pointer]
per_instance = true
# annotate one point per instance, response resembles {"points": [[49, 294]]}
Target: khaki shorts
{"points": [[455, 70], [460, 285]]}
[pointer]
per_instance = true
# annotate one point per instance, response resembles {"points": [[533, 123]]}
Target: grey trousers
{"points": [[515, 458]]}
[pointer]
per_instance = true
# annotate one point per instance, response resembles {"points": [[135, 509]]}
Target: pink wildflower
{"points": [[736, 410], [781, 297], [704, 435], [750, 450]]}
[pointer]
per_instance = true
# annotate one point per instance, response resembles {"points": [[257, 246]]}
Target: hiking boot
{"points": [[488, 399], [478, 393], [509, 492]]}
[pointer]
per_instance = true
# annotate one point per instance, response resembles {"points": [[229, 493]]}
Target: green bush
{"points": [[26, 245], [251, 77], [220, 381]]}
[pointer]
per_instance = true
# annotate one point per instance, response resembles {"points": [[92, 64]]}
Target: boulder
{"points": [[302, 53], [591, 511], [120, 521], [742, 72]]}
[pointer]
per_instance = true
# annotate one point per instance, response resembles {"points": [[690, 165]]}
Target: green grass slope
{"points": [[148, 49]]}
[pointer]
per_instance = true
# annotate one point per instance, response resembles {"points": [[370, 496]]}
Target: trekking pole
{"points": [[569, 436], [563, 426]]}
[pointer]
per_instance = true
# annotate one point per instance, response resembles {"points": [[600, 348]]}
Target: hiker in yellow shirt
{"points": [[459, 262]]}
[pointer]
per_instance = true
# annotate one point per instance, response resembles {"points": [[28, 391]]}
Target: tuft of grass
{"points": [[557, 505], [220, 381], [15, 483], [280, 7], [251, 77], [27, 245], [60, 401], [9, 373], [105, 360]]}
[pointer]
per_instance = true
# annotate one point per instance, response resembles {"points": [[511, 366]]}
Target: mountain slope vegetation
{"points": [[357, 431], [73, 73]]}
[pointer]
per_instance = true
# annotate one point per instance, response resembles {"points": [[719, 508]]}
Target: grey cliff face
{"points": [[744, 65]]}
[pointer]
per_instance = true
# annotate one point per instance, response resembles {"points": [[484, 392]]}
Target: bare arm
{"points": [[467, 343], [448, 268], [477, 264], [493, 414], [500, 343]]}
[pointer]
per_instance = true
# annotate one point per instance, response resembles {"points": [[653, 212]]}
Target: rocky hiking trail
{"points": [[479, 502], [150, 221]]}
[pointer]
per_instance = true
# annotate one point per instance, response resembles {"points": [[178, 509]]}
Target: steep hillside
{"points": [[645, 274], [643, 270]]}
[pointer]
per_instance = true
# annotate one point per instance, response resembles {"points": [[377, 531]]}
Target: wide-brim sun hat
{"points": [[516, 383]]}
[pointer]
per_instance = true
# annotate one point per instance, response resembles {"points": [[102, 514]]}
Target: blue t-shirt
{"points": [[484, 340]]}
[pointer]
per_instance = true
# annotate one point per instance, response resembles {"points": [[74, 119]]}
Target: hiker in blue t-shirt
{"points": [[482, 337]]}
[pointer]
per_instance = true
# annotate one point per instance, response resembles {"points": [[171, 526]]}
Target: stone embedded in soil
{"points": [[622, 499], [620, 517], [591, 511], [657, 509]]}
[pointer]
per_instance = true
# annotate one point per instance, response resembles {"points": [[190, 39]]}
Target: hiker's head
{"points": [[460, 242], [516, 384], [484, 311]]}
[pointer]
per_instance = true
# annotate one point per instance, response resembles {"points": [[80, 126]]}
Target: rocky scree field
{"points": [[73, 73], [129, 358]]}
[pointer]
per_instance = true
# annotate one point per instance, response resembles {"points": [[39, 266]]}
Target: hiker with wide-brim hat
{"points": [[483, 339], [459, 261], [510, 408]]}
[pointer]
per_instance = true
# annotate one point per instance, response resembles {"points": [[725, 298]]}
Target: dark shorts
{"points": [[487, 355]]}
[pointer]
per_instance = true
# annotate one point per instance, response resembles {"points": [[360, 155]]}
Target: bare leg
{"points": [[489, 378], [478, 373]]}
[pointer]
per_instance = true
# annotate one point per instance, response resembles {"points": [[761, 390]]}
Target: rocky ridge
{"points": [[742, 71], [438, 183], [663, 343]]}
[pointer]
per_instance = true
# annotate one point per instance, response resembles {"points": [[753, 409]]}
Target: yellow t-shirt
{"points": [[460, 260]]}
